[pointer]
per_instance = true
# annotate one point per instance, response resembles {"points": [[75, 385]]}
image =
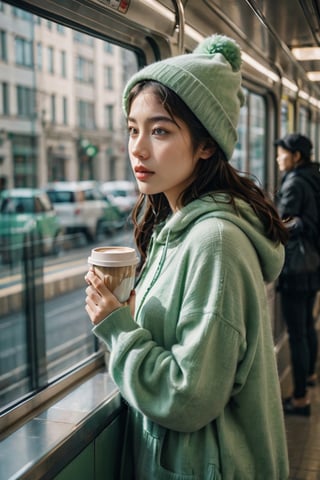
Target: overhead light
{"points": [[304, 95], [314, 76], [306, 53], [260, 68], [287, 83], [314, 102]]}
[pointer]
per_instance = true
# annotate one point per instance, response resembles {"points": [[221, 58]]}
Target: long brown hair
{"points": [[211, 176]]}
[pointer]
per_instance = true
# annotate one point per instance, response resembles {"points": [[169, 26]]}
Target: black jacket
{"points": [[297, 198]]}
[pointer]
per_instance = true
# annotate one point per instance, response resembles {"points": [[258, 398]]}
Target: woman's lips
{"points": [[142, 173]]}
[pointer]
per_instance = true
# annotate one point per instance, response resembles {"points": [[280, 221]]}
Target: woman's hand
{"points": [[100, 301]]}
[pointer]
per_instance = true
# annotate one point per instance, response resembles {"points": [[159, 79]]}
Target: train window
{"points": [[240, 155], [64, 87], [303, 121], [257, 137], [284, 117], [249, 155], [313, 137], [317, 140], [287, 117]]}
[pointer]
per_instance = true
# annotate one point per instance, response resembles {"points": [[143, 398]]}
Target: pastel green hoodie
{"points": [[196, 365]]}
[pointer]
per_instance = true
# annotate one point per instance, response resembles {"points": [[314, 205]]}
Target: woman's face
{"points": [[160, 148], [286, 160]]}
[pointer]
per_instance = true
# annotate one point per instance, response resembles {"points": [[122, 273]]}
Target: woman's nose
{"points": [[139, 147]]}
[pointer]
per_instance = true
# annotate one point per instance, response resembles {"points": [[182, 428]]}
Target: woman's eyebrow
{"points": [[156, 118]]}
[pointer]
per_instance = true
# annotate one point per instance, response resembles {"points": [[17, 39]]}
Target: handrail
{"points": [[180, 24]]}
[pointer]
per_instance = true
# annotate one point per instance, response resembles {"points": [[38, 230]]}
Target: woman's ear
{"points": [[207, 150]]}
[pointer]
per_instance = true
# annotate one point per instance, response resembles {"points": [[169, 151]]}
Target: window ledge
{"points": [[67, 426]]}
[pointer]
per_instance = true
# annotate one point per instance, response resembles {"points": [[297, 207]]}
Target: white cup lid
{"points": [[113, 256]]}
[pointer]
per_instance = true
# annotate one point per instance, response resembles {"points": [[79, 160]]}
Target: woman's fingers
{"points": [[100, 301], [92, 279]]}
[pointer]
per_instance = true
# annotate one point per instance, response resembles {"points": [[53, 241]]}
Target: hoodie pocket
{"points": [[156, 462], [150, 461]]}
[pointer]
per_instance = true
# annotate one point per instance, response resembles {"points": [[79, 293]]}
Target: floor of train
{"points": [[303, 435]]}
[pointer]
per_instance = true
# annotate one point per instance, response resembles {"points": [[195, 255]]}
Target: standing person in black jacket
{"points": [[299, 280]]}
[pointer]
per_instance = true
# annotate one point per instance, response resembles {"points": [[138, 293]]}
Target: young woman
{"points": [[299, 279], [192, 353]]}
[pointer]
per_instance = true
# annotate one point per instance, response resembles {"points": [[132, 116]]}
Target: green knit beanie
{"points": [[208, 81]]}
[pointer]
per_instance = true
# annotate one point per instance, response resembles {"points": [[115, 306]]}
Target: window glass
{"points": [[63, 64], [83, 38], [284, 123], [313, 134], [108, 47], [257, 138], [61, 117], [84, 70], [53, 108], [25, 101], [23, 52], [65, 110], [303, 121], [108, 77], [250, 155], [240, 155], [60, 29], [5, 98], [287, 116], [18, 13], [109, 117], [86, 114], [50, 59], [39, 56], [317, 140], [3, 45]]}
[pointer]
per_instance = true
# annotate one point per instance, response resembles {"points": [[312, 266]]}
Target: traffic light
{"points": [[88, 149]]}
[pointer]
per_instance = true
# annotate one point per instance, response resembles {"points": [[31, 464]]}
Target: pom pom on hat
{"points": [[224, 45], [208, 81]]}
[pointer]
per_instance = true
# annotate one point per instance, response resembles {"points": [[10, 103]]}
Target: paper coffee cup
{"points": [[117, 266]]}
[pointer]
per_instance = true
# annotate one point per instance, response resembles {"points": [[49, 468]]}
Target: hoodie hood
{"points": [[271, 255]]}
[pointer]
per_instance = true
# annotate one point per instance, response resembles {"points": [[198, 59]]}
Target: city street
{"points": [[63, 328]]}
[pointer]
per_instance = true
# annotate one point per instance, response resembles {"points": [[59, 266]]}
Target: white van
{"points": [[123, 193], [81, 207]]}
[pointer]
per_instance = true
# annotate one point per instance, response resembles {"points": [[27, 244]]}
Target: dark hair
{"points": [[209, 177], [295, 142]]}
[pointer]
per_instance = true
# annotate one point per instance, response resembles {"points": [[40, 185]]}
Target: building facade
{"points": [[60, 105]]}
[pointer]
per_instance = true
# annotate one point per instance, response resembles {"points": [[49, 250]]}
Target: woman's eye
{"points": [[159, 131], [132, 130]]}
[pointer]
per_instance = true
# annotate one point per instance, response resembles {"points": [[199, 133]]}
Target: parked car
{"points": [[123, 193], [81, 207], [28, 222]]}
